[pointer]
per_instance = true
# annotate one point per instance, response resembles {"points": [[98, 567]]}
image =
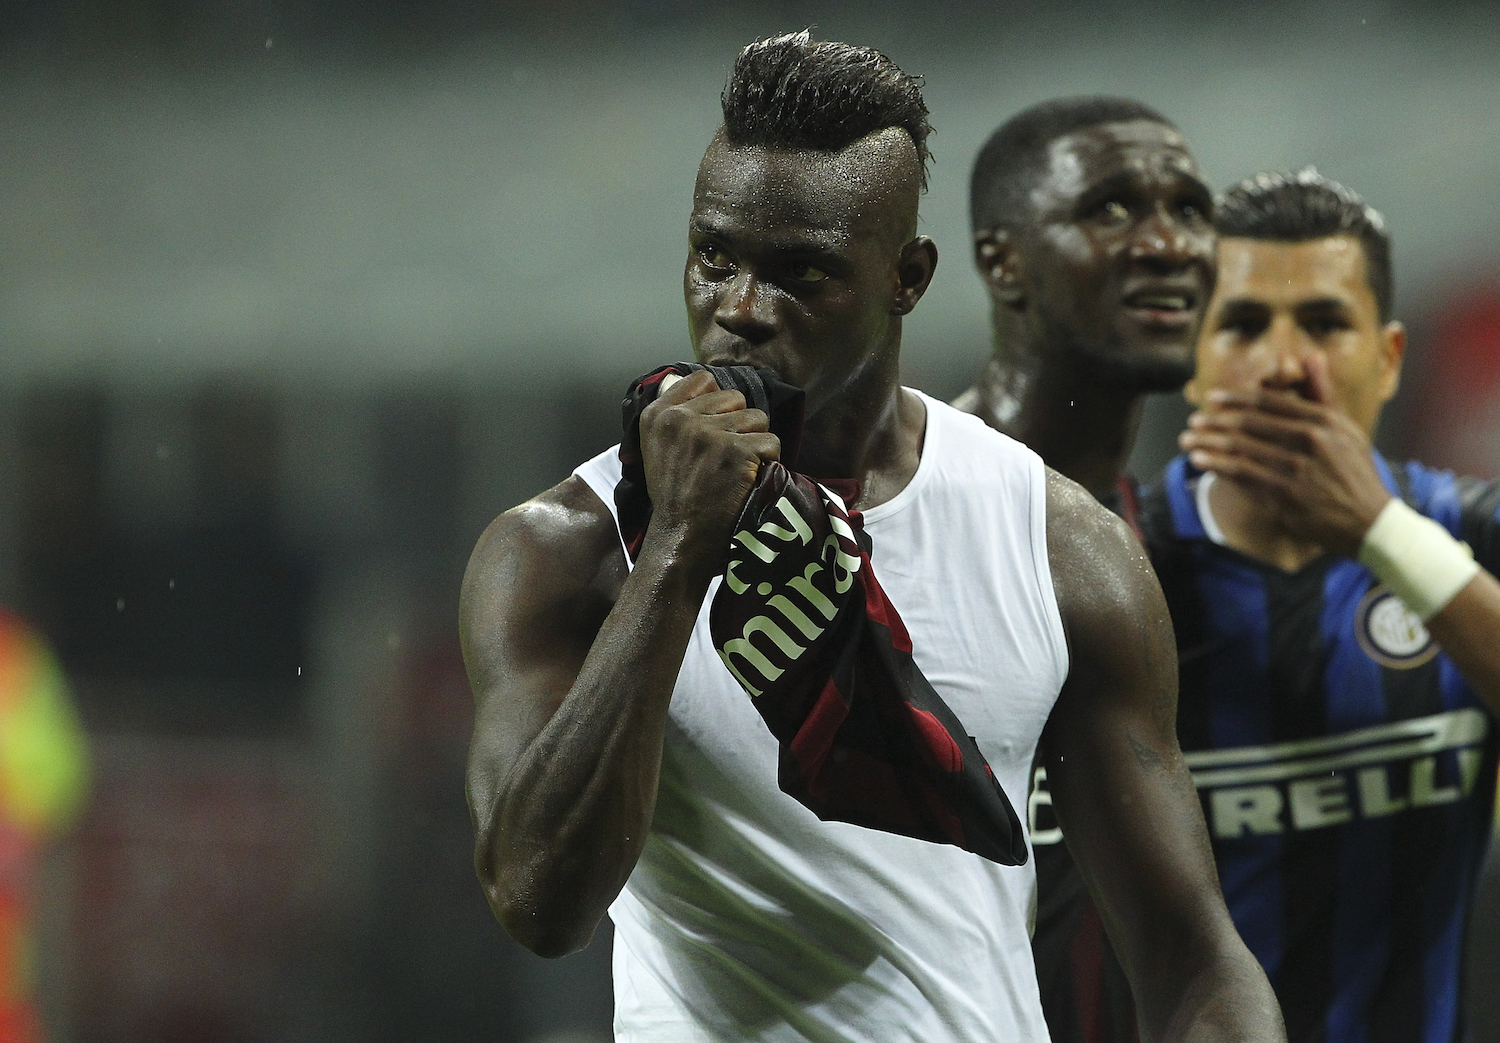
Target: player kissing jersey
{"points": [[746, 916], [1347, 773]]}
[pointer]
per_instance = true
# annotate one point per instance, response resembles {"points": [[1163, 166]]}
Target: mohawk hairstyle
{"points": [[798, 93], [1016, 153], [1296, 208]]}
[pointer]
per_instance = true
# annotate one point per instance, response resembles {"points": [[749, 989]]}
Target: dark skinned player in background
{"points": [[618, 768], [1092, 235]]}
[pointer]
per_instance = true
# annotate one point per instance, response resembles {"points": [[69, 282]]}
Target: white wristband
{"points": [[1417, 559]]}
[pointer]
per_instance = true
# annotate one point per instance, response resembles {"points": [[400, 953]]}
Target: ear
{"points": [[997, 255], [914, 273], [1392, 351]]}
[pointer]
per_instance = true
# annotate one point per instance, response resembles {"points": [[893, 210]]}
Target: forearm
{"points": [[1468, 630], [1215, 992], [1192, 976], [569, 819]]}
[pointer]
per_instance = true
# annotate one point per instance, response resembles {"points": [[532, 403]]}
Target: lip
{"points": [[1163, 318], [741, 354], [1164, 305]]}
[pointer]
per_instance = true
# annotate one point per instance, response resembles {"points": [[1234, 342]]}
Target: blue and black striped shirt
{"points": [[1347, 770]]}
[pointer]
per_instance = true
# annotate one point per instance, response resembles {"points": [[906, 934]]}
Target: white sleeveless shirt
{"points": [[746, 917]]}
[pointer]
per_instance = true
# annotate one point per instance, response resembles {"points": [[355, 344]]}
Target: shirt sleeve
{"points": [[1479, 519]]}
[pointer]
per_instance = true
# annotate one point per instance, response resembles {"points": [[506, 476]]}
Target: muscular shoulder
{"points": [[555, 560], [1100, 572]]}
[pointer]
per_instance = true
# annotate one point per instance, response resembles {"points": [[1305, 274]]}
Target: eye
{"points": [[1244, 327], [803, 272], [715, 258], [1324, 325]]}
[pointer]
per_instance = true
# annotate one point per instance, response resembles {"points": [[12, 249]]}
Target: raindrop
{"points": [[268, 43], [171, 584], [119, 604], [162, 452]]}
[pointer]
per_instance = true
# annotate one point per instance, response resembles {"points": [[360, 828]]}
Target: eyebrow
{"points": [[1323, 304], [1241, 306], [1130, 180], [828, 245]]}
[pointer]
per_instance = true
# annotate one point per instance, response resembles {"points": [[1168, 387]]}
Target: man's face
{"points": [[1119, 262], [794, 257], [1279, 304]]}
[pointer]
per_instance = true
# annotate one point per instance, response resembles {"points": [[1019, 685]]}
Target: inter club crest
{"points": [[1390, 633]]}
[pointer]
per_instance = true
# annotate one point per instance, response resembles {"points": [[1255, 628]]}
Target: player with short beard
{"points": [[617, 767], [1340, 668], [1092, 234]]}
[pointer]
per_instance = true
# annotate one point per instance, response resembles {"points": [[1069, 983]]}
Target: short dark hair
{"points": [[798, 93], [1016, 153], [1296, 208]]}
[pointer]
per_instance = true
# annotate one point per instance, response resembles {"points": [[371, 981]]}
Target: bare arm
{"points": [[1123, 793], [1467, 629], [1312, 465], [573, 658]]}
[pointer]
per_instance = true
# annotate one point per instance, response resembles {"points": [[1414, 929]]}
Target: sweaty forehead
{"points": [[1280, 274], [1077, 161], [869, 187]]}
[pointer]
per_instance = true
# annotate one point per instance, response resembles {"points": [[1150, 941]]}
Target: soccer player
{"points": [[1092, 234], [617, 767], [1340, 666]]}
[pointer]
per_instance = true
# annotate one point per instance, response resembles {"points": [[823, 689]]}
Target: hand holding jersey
{"points": [[702, 448]]}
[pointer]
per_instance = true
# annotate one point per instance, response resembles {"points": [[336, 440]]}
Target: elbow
{"points": [[541, 931], [552, 941], [549, 928]]}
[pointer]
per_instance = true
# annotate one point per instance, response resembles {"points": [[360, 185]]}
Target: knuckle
{"points": [[669, 418]]}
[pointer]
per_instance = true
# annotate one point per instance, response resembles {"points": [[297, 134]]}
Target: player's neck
{"points": [[1250, 527], [872, 433], [1082, 430]]}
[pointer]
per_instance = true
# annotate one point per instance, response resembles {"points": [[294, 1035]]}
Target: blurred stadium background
{"points": [[296, 296]]}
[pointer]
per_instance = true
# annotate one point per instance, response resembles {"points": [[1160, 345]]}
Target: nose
{"points": [[1288, 349], [1163, 243], [746, 309]]}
